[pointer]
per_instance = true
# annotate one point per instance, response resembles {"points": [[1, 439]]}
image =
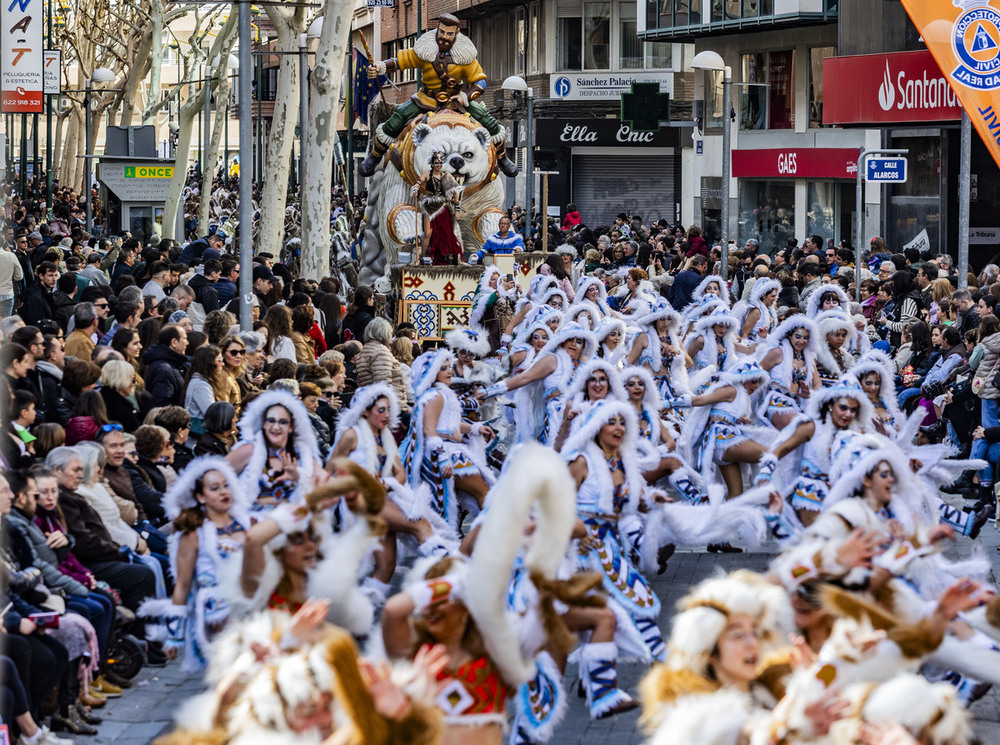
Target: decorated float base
{"points": [[437, 299]]}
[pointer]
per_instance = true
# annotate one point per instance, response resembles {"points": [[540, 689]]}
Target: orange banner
{"points": [[964, 37]]}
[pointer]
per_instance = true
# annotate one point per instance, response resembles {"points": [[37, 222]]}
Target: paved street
{"points": [[146, 710]]}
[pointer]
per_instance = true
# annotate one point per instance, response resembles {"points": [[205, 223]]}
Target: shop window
{"points": [[821, 219], [597, 36], [767, 213], [713, 100], [816, 57], [767, 98], [569, 35], [916, 204]]}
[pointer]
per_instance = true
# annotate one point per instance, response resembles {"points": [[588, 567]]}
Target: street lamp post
{"points": [[303, 106], [207, 114], [246, 169], [712, 61], [517, 84], [100, 75]]}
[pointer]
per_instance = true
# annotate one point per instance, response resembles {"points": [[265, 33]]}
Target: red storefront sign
{"points": [[806, 162], [887, 89]]}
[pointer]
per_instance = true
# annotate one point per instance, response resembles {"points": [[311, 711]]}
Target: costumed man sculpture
{"points": [[440, 196], [452, 77]]}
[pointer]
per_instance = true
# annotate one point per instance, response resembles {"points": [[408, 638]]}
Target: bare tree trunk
{"points": [[185, 123], [274, 190], [320, 137], [57, 145], [219, 123], [67, 164], [156, 62]]}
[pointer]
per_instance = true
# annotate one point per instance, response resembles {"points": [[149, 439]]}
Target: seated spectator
{"points": [[79, 376], [166, 366], [219, 434], [125, 479], [118, 391], [375, 363], [177, 421], [155, 450], [205, 381], [93, 545], [89, 416], [48, 436], [302, 323]]}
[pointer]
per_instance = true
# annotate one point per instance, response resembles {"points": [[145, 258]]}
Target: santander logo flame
{"points": [[886, 91]]}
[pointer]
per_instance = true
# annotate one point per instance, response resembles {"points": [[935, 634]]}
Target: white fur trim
{"points": [[538, 480], [180, 495], [469, 341]]}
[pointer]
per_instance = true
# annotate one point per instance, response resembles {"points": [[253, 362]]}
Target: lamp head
{"points": [[514, 83], [708, 60], [102, 75]]}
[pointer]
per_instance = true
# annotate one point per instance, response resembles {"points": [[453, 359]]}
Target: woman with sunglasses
{"points": [[234, 354], [210, 517], [277, 458], [290, 554], [596, 381]]}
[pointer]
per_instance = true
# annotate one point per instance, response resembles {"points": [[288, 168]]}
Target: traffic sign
{"points": [[886, 170]]}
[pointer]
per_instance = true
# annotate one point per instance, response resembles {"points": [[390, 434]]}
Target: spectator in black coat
{"points": [[50, 374], [687, 281], [204, 285], [78, 376], [360, 313], [166, 366], [38, 302]]}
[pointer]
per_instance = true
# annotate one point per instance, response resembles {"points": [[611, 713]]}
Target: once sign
{"points": [[886, 170]]}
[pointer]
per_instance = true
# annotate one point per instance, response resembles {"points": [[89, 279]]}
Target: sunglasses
{"points": [[236, 352], [329, 394], [297, 539], [280, 422], [597, 381], [114, 427]]}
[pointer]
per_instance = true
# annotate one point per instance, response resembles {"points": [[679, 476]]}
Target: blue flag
{"points": [[364, 89]]}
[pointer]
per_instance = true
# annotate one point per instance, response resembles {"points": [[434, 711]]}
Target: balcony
{"points": [[688, 20]]}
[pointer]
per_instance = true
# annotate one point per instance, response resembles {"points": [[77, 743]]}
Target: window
{"points": [[630, 53], [597, 36], [394, 48], [767, 100], [533, 36], [753, 95], [633, 54], [569, 33], [816, 57], [520, 40]]}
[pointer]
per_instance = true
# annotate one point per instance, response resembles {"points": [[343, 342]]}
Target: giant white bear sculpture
{"points": [[391, 216]]}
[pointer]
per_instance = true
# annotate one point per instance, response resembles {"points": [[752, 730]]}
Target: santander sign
{"points": [[887, 88]]}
